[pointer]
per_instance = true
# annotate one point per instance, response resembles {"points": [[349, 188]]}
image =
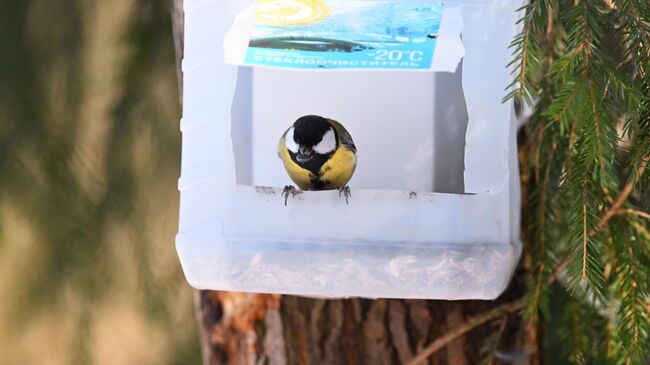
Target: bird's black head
{"points": [[309, 130], [311, 141]]}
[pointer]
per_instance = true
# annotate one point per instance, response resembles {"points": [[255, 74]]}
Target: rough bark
{"points": [[255, 329], [241, 328]]}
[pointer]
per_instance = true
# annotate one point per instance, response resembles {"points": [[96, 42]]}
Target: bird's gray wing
{"points": [[346, 140]]}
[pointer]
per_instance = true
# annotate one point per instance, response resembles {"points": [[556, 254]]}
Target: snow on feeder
{"points": [[434, 211]]}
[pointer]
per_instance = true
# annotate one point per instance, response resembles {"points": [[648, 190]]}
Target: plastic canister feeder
{"points": [[435, 204]]}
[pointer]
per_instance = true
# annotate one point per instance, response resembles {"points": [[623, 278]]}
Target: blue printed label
{"points": [[339, 34]]}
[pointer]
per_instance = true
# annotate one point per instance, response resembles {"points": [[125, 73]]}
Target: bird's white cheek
{"points": [[289, 142], [327, 144]]}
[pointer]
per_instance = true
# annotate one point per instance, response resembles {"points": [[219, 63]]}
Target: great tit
{"points": [[318, 154]]}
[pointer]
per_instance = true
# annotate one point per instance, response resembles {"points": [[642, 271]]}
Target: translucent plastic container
{"points": [[434, 211]]}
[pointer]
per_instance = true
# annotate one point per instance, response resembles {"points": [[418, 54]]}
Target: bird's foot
{"points": [[289, 190], [345, 191]]}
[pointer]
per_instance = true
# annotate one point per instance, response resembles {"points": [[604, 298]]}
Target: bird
{"points": [[318, 154]]}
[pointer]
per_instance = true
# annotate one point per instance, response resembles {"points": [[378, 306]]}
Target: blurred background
{"points": [[89, 159]]}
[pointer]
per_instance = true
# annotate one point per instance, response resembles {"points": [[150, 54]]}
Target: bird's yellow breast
{"points": [[302, 177], [338, 170]]}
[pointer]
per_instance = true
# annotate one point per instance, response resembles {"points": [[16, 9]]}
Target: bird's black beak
{"points": [[304, 154]]}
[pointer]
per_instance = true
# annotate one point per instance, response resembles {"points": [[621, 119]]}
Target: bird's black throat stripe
{"points": [[318, 184], [314, 166]]}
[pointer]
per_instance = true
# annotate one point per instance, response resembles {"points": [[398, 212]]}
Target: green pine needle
{"points": [[585, 66]]}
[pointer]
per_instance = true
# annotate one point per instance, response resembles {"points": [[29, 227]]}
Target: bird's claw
{"points": [[289, 189], [345, 190]]}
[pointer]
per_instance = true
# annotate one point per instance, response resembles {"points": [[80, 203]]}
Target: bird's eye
{"points": [[327, 144]]}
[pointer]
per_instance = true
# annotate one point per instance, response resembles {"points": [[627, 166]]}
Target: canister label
{"points": [[339, 34]]}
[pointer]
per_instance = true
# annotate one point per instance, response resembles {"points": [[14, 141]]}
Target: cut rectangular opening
{"points": [[409, 127]]}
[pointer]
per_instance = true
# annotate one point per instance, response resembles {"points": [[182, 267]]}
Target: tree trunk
{"points": [[240, 328], [252, 329]]}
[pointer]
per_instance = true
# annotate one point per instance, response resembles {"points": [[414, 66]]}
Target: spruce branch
{"points": [[526, 52], [624, 194], [632, 331], [582, 332], [543, 229], [584, 240], [635, 212], [609, 213], [492, 341], [589, 155], [468, 325], [641, 230]]}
